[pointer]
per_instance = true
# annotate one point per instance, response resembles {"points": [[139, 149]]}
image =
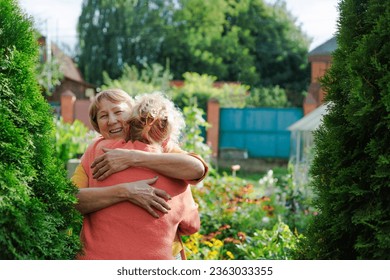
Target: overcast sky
{"points": [[317, 18]]}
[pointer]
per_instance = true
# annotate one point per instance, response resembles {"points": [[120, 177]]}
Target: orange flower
{"points": [[241, 236], [231, 240], [268, 208], [265, 198], [256, 201], [224, 227]]}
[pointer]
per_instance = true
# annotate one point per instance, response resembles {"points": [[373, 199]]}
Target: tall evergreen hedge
{"points": [[351, 170], [37, 212]]}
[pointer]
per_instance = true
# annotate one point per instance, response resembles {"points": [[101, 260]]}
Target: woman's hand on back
{"points": [[141, 193], [112, 161]]}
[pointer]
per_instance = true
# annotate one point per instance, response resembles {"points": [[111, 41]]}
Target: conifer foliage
{"points": [[37, 211], [351, 170]]}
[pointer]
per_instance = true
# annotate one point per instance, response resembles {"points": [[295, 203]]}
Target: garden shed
{"points": [[302, 139]]}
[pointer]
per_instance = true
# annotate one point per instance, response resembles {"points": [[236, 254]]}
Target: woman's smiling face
{"points": [[112, 119]]}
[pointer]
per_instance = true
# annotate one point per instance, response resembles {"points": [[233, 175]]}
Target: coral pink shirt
{"points": [[126, 231]]}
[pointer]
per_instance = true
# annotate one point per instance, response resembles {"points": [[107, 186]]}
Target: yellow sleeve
{"points": [[178, 247], [80, 178]]}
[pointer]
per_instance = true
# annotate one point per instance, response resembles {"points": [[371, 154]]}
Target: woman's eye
{"points": [[102, 116], [118, 112]]}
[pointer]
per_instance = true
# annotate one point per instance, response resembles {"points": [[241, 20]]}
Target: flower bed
{"points": [[242, 220]]}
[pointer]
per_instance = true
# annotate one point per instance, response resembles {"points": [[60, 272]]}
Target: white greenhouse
{"points": [[302, 142]]}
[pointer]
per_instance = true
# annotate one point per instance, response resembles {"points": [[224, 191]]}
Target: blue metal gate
{"points": [[261, 131]]}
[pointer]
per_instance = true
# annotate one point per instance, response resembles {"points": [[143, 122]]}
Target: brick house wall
{"points": [[321, 60]]}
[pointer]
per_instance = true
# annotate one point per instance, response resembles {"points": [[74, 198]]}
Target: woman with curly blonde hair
{"points": [[156, 121]]}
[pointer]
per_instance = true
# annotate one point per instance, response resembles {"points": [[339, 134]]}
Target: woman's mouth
{"points": [[116, 130]]}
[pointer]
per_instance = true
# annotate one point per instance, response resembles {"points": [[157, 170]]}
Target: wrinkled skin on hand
{"points": [[112, 161], [148, 197]]}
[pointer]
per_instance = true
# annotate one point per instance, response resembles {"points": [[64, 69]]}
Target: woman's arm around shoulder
{"points": [[177, 165]]}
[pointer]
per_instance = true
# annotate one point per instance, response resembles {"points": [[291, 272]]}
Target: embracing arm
{"points": [[94, 199], [178, 165], [140, 193]]}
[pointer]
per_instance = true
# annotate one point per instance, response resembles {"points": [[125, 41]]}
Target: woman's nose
{"points": [[112, 118]]}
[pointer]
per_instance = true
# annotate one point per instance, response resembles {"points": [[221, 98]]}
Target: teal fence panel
{"points": [[261, 131]]}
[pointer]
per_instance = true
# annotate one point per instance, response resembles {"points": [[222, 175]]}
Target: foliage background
{"points": [[251, 42]]}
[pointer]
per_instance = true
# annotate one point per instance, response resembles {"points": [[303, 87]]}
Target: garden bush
{"points": [[352, 153], [37, 214], [134, 81]]}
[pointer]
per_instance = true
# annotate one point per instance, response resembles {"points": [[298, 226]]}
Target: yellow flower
{"points": [[191, 246], [217, 243], [230, 255], [212, 254], [197, 235]]}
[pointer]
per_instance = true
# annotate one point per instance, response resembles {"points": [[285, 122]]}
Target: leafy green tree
{"points": [[276, 45], [352, 155], [247, 41], [193, 43], [102, 30], [37, 213], [115, 33]]}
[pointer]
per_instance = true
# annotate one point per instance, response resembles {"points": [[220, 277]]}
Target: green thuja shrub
{"points": [[37, 214], [351, 169]]}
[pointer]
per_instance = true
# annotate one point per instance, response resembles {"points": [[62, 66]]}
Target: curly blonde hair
{"points": [[156, 121]]}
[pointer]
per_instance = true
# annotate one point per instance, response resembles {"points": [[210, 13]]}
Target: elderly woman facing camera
{"points": [[109, 114]]}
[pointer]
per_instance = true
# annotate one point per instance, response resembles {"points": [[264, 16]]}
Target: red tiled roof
{"points": [[67, 66]]}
